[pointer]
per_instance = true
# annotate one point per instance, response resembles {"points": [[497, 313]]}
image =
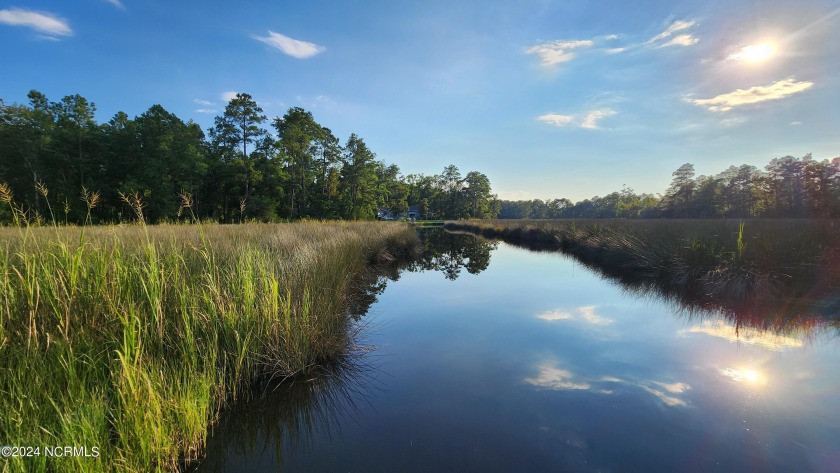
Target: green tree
{"points": [[299, 137], [359, 180], [234, 131]]}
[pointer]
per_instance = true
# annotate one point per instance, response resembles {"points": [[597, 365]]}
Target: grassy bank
{"points": [[745, 266], [131, 339]]}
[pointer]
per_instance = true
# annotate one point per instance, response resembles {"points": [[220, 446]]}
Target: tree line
{"points": [[246, 167], [788, 187]]}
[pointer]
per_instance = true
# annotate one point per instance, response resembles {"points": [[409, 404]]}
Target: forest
{"points": [[56, 160], [788, 187]]}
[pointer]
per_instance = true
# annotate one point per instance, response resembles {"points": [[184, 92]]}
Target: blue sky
{"points": [[548, 98]]}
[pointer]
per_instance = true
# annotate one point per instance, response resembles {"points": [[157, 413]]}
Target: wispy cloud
{"points": [[795, 123], [679, 25], [588, 120], [667, 399], [681, 40], [550, 376], [733, 121], [684, 39], [611, 36], [117, 3], [206, 106], [591, 119], [555, 119], [45, 23], [557, 52], [753, 95], [584, 313], [615, 50], [292, 47]]}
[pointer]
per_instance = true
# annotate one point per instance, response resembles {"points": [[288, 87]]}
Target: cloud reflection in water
{"points": [[584, 313], [750, 336], [551, 376]]}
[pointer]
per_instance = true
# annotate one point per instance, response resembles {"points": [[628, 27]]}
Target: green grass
{"points": [[750, 267], [133, 338]]}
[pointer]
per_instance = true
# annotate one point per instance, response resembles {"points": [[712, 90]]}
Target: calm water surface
{"points": [[538, 364]]}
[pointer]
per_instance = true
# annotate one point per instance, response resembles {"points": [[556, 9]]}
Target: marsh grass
{"points": [[752, 268], [133, 338]]}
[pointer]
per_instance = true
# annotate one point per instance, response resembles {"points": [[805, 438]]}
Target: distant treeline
{"points": [[788, 187], [238, 171]]}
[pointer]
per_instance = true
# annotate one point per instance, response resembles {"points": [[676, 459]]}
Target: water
{"points": [[511, 360]]}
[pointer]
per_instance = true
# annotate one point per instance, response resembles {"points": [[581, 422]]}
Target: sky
{"points": [[549, 99]]}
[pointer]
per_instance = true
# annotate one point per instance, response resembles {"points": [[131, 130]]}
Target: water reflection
{"points": [[585, 313], [796, 315], [551, 376], [750, 336], [747, 376], [450, 252], [538, 365], [255, 435]]}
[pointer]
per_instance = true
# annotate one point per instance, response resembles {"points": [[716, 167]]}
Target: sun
{"points": [[755, 52]]}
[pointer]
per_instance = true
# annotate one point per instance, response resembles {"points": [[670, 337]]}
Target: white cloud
{"points": [[553, 315], [552, 377], [42, 22], [206, 110], [612, 36], [684, 39], [670, 401], [555, 119], [749, 336], [203, 102], [557, 52], [676, 26], [116, 3], [733, 121], [290, 46], [753, 95], [229, 95], [588, 314], [591, 119], [615, 50], [584, 313], [676, 388], [796, 123], [681, 40]]}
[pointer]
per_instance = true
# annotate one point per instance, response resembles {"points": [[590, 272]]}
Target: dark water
{"points": [[494, 358]]}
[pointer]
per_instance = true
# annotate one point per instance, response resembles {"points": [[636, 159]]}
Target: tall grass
{"points": [[133, 338], [750, 267]]}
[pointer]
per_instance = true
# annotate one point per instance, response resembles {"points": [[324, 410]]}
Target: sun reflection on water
{"points": [[746, 376]]}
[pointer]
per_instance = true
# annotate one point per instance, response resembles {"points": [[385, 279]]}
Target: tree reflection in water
{"points": [[795, 315], [450, 252]]}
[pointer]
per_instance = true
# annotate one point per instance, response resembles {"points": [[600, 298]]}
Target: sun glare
{"points": [[755, 52], [746, 376]]}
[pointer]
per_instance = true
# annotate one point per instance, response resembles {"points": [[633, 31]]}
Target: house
{"points": [[414, 212], [383, 213]]}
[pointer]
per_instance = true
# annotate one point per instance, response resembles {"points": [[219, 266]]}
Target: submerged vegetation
{"points": [[132, 339], [765, 273]]}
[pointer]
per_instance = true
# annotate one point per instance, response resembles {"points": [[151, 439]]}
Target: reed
{"points": [[133, 338]]}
